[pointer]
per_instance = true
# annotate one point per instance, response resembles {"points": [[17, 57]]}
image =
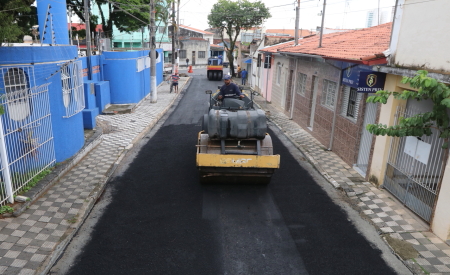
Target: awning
{"points": [[248, 60]]}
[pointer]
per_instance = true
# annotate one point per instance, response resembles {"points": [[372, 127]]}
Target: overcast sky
{"points": [[338, 13]]}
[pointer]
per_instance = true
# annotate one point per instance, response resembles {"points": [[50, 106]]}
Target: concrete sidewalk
{"points": [[408, 236], [36, 235]]}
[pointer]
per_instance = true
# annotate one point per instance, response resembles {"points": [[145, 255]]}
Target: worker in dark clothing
{"points": [[229, 89], [244, 76]]}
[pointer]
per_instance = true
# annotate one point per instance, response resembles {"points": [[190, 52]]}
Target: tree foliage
{"points": [[16, 19], [126, 15], [232, 17], [420, 124]]}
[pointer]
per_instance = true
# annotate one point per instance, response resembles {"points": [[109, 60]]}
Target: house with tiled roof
{"points": [[416, 169], [195, 45], [318, 83]]}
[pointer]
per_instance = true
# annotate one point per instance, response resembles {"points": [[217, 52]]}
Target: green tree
{"points": [[77, 7], [420, 124], [232, 17], [126, 15], [16, 19]]}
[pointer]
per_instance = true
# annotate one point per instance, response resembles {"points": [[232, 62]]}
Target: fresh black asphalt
{"points": [[162, 221]]}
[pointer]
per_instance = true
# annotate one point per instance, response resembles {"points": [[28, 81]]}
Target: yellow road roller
{"points": [[214, 69], [234, 146]]}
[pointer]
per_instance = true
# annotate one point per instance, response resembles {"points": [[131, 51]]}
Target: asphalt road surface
{"points": [[155, 218]]}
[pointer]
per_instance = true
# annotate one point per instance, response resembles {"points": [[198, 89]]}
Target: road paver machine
{"points": [[234, 146]]}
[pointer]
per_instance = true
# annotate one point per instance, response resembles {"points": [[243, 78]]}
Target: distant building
{"points": [[376, 17], [288, 32]]}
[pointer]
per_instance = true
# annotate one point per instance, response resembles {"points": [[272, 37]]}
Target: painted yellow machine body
{"points": [[234, 146]]}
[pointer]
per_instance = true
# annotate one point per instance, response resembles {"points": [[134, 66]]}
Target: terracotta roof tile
{"points": [[194, 29], [351, 45]]}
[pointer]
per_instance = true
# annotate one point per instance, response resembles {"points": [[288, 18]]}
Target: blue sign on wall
{"points": [[350, 76], [351, 72], [371, 82]]}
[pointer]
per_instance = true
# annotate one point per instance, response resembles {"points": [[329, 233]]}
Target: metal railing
{"points": [[72, 88], [415, 168], [26, 137]]}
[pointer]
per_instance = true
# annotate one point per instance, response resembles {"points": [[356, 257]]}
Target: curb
{"points": [[98, 191]]}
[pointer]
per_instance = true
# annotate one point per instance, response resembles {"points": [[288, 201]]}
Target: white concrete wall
{"points": [[209, 37], [195, 45], [257, 75], [279, 89], [423, 37], [382, 143], [441, 220]]}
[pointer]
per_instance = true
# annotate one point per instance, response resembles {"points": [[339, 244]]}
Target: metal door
{"points": [[315, 83], [415, 168], [193, 58], [366, 140]]}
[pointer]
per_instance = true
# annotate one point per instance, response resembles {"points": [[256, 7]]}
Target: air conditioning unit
{"points": [[105, 44]]}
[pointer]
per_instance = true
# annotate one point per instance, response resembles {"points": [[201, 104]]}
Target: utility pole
{"points": [[297, 19], [177, 60], [153, 91], [70, 24], [173, 39], [88, 37], [321, 27], [378, 12]]}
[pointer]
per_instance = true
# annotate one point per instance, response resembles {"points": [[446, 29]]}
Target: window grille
{"points": [[328, 93], [350, 103], [17, 94], [72, 88], [301, 83], [182, 53], [201, 54]]}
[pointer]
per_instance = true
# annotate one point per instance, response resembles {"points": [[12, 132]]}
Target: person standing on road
{"points": [[244, 74], [174, 84], [229, 89], [187, 62]]}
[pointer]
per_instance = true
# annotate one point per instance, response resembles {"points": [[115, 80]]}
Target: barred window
{"points": [[328, 93], [182, 53], [72, 88], [350, 103], [17, 94], [301, 83], [201, 54]]}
